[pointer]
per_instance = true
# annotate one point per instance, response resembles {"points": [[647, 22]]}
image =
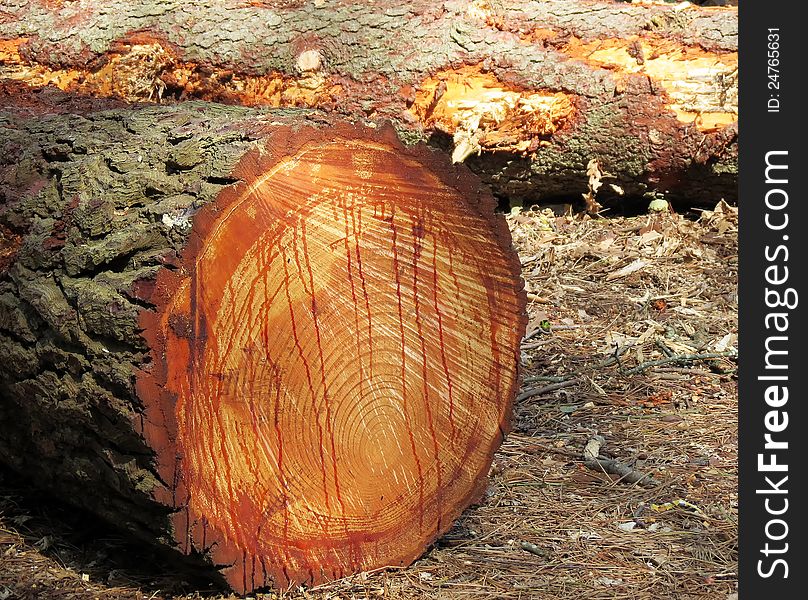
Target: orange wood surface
{"points": [[335, 359]]}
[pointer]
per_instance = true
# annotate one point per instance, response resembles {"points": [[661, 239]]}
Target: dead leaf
{"points": [[592, 205], [649, 236], [539, 316], [725, 342], [594, 173], [627, 270], [663, 397], [652, 225], [605, 244]]}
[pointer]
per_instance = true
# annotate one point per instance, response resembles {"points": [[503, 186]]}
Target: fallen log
{"points": [[271, 340], [528, 93]]}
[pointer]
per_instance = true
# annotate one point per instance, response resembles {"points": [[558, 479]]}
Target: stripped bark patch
{"points": [[274, 89], [483, 113], [696, 81], [130, 71], [702, 86], [142, 68], [10, 51]]}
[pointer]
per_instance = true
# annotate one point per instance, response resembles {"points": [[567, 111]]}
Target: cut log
{"points": [[271, 339], [538, 89]]}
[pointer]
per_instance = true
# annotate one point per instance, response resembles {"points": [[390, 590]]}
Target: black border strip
{"points": [[772, 329]]}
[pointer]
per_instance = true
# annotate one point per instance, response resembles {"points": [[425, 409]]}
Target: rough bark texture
{"points": [[540, 88], [283, 343], [82, 200]]}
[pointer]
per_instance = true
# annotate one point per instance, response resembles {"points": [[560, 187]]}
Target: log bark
{"points": [[267, 339], [537, 89]]}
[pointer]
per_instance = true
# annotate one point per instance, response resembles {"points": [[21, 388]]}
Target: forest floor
{"points": [[618, 480]]}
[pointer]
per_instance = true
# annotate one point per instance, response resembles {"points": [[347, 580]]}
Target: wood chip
{"points": [[627, 270]]}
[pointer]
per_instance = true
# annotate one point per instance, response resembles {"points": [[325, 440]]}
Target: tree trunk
{"points": [[538, 89], [269, 338]]}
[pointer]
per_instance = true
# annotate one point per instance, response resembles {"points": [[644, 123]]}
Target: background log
{"points": [[540, 89], [274, 340]]}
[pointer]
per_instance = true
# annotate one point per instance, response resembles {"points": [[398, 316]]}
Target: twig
{"points": [[638, 513], [534, 345], [534, 549], [559, 451], [594, 461], [626, 473], [550, 378], [684, 358], [592, 448], [573, 377], [689, 371], [533, 333], [671, 376], [547, 388], [552, 328], [664, 347], [613, 359], [617, 354]]}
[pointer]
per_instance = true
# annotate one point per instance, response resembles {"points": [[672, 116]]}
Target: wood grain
{"points": [[334, 359]]}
